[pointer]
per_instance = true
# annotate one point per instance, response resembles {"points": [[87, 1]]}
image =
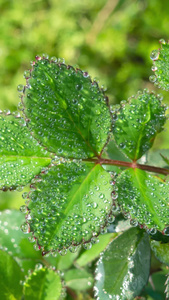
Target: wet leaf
{"points": [[145, 197], [89, 255], [73, 119], [10, 277], [123, 269], [21, 158], [137, 123], [42, 283], [161, 251], [160, 67], [12, 239], [69, 205], [79, 280]]}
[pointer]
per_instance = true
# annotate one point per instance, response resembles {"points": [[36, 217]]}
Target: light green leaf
{"points": [[165, 159], [73, 119], [79, 279], [137, 123], [10, 277], [42, 284], [157, 158], [161, 251], [167, 287], [12, 239], [70, 204], [123, 269], [21, 158], [145, 197], [91, 254], [160, 67]]}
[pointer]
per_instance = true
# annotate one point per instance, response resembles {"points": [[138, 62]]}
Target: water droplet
{"points": [[154, 55], [25, 228], [20, 88], [23, 209], [87, 246]]}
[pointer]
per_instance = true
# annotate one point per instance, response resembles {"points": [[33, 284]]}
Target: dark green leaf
{"points": [[21, 158], [137, 123], [123, 269], [145, 197], [79, 279], [10, 277], [160, 59], [70, 204], [67, 111], [91, 254], [161, 251], [43, 283], [156, 286]]}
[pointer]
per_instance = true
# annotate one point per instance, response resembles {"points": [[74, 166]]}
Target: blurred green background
{"points": [[111, 39]]}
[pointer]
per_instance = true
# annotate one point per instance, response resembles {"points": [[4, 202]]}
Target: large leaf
{"points": [[43, 283], [123, 269], [161, 251], [67, 112], [21, 158], [145, 197], [70, 204], [160, 59], [137, 123], [10, 277]]}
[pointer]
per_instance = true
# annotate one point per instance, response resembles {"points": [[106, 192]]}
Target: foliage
{"points": [[64, 142]]}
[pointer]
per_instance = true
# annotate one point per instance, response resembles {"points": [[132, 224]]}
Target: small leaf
{"points": [[161, 251], [21, 158], [165, 159], [160, 67], [157, 158], [145, 197], [10, 277], [70, 204], [79, 279], [42, 283], [137, 123], [73, 119], [123, 269], [89, 255], [167, 287]]}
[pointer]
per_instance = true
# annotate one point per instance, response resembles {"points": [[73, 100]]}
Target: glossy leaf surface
{"points": [[73, 119], [161, 251], [137, 123], [42, 284], [10, 277], [145, 197], [160, 59], [123, 269], [70, 204], [21, 158]]}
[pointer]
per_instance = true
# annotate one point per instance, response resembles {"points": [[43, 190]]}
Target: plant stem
{"points": [[133, 165]]}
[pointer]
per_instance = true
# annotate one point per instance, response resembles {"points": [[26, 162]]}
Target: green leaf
{"points": [[123, 269], [79, 279], [145, 197], [161, 251], [167, 287], [21, 158], [137, 123], [10, 277], [165, 159], [12, 239], [160, 67], [73, 119], [70, 204], [91, 254], [157, 290], [42, 283]]}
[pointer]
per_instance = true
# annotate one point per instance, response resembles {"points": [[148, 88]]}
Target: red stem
{"points": [[133, 165]]}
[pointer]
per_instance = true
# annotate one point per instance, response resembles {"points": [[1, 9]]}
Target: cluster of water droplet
{"points": [[67, 112], [148, 207], [136, 123], [160, 66]]}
